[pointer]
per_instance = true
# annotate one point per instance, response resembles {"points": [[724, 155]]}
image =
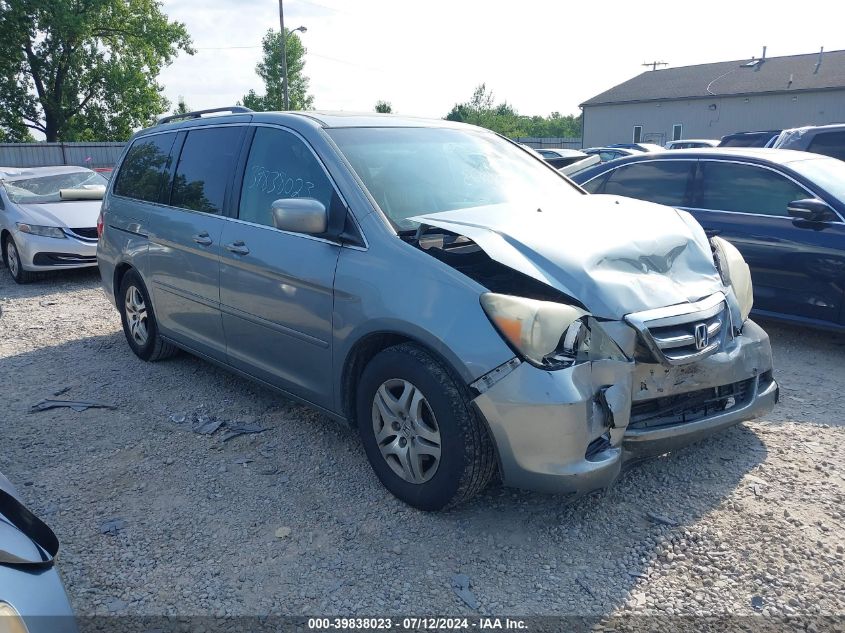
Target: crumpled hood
{"points": [[74, 214], [616, 255]]}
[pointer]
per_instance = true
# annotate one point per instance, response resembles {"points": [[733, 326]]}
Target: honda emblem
{"points": [[702, 336]]}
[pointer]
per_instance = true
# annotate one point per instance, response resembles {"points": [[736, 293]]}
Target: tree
{"points": [[503, 118], [181, 106], [84, 69], [384, 107], [270, 71]]}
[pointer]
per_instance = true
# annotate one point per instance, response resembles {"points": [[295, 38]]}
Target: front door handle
{"points": [[203, 239], [238, 248]]}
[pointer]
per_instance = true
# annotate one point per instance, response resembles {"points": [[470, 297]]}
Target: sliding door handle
{"points": [[238, 248]]}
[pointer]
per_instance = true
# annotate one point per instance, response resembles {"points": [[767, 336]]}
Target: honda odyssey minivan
{"points": [[469, 310]]}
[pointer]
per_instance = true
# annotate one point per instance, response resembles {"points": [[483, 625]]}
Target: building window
{"points": [[677, 132], [638, 133]]}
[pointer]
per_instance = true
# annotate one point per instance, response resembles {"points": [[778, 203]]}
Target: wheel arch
{"points": [[365, 349]]}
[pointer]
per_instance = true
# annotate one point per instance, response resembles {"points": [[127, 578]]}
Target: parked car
{"points": [[573, 168], [782, 209], [611, 153], [48, 218], [558, 158], [764, 138], [691, 143], [465, 306], [32, 598], [828, 140], [640, 147]]}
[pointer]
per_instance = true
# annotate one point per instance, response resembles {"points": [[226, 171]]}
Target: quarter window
{"points": [[280, 165], [144, 170], [746, 189], [663, 181], [829, 144], [205, 167]]}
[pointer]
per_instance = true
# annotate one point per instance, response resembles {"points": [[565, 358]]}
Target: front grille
{"points": [[684, 333], [62, 259], [690, 406], [87, 233]]}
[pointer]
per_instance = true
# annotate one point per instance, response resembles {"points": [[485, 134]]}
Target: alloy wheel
{"points": [[12, 257], [136, 315]]}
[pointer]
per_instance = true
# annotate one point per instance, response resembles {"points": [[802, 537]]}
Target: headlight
{"points": [[735, 273], [549, 335], [10, 620], [43, 231]]}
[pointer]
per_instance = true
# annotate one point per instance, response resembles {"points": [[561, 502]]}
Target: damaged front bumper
{"points": [[572, 430]]}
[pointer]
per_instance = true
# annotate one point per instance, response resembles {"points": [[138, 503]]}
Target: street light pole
{"points": [[286, 102]]}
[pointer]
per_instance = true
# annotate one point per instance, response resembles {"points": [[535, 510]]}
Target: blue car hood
{"points": [[615, 255]]}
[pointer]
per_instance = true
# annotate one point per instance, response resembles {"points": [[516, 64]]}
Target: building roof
{"points": [[791, 73]]}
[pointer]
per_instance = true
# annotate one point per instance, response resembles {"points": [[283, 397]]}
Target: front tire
{"points": [[12, 259], [425, 443], [139, 322]]}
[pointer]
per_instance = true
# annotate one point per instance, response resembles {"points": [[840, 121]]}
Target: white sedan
{"points": [[48, 218]]}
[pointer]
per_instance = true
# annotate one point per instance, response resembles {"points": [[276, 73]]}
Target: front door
{"points": [[797, 267], [276, 288]]}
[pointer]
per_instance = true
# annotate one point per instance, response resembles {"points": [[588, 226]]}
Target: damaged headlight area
{"points": [[735, 273], [547, 334]]}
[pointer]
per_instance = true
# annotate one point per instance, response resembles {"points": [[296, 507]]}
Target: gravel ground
{"points": [[758, 509]]}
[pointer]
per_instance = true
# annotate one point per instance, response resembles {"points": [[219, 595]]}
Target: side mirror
{"points": [[811, 209], [300, 215]]}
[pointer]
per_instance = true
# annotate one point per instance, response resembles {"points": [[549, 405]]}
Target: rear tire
{"points": [[12, 259], [433, 453], [139, 322]]}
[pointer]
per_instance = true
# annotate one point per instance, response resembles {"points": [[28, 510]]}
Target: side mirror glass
{"points": [[300, 215], [811, 209]]}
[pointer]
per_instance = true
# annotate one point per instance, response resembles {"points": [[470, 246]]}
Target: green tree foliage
{"points": [[270, 70], [384, 107], [483, 111], [84, 69], [181, 106]]}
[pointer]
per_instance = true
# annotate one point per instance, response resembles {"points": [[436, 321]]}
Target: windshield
{"points": [[415, 171], [828, 173], [46, 188]]}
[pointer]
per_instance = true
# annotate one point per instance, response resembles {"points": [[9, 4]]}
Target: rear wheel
{"points": [[421, 437], [13, 261], [139, 322]]}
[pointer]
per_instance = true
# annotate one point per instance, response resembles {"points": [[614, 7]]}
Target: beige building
{"points": [[711, 100]]}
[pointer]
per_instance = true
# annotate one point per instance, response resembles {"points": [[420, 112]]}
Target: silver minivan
{"points": [[468, 309]]}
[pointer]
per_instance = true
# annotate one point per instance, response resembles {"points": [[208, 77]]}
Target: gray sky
{"points": [[424, 56]]}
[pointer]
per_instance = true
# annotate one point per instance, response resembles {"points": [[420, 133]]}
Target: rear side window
{"points": [[829, 144], [746, 189], [205, 168], [144, 170], [663, 182], [280, 165]]}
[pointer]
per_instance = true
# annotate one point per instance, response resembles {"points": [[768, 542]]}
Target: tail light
{"points": [[100, 224]]}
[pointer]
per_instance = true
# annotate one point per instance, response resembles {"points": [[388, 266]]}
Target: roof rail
{"points": [[196, 114]]}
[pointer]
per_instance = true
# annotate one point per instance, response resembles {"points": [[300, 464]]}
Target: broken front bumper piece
{"points": [[572, 430]]}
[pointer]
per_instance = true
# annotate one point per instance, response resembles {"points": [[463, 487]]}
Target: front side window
{"points": [[746, 189], [144, 170], [662, 181], [416, 171], [205, 167], [280, 166], [830, 144]]}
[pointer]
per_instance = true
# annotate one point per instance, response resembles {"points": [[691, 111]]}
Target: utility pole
{"points": [[653, 65], [286, 102]]}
